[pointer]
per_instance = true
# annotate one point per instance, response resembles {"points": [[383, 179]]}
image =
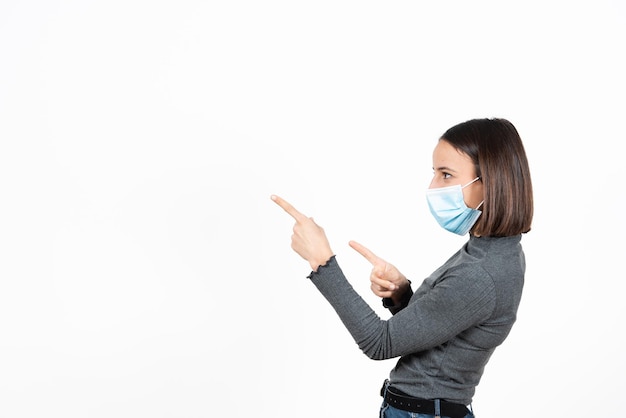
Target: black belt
{"points": [[405, 402]]}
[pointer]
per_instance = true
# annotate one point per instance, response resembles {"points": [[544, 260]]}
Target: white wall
{"points": [[144, 272]]}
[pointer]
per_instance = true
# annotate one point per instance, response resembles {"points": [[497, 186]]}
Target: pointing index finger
{"points": [[369, 256], [287, 207]]}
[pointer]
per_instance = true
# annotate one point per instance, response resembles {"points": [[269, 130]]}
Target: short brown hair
{"points": [[496, 149]]}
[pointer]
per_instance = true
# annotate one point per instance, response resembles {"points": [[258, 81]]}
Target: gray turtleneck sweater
{"points": [[446, 331]]}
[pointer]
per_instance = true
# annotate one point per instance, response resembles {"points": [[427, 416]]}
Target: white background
{"points": [[144, 272]]}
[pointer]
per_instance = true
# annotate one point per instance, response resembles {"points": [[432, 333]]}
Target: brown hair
{"points": [[496, 149]]}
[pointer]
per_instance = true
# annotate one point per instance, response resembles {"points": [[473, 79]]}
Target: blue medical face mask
{"points": [[449, 209]]}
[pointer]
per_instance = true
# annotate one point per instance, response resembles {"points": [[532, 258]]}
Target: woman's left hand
{"points": [[308, 239]]}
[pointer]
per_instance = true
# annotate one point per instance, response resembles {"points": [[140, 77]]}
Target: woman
{"points": [[445, 331]]}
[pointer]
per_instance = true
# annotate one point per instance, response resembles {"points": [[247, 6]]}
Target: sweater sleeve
{"points": [[394, 308], [431, 318]]}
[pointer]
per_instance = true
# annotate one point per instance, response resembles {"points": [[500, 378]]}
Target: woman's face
{"points": [[452, 167]]}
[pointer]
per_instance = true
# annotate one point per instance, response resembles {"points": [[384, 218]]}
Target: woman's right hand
{"points": [[386, 280]]}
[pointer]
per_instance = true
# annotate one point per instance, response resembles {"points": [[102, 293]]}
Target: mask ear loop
{"points": [[473, 181], [482, 201]]}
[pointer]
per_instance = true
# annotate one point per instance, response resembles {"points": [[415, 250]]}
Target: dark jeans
{"points": [[388, 411]]}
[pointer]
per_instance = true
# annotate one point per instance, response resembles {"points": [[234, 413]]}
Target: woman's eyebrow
{"points": [[444, 168]]}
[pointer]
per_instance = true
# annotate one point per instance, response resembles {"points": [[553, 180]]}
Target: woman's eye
{"points": [[446, 175]]}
